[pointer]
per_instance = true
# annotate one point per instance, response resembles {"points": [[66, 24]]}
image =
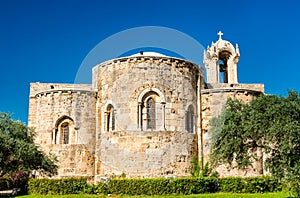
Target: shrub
{"points": [[14, 180], [5, 183], [139, 186], [163, 186], [57, 186], [293, 187], [100, 188], [195, 185], [249, 184], [156, 186], [231, 184]]}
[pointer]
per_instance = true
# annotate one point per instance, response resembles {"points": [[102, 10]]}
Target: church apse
{"points": [[149, 138]]}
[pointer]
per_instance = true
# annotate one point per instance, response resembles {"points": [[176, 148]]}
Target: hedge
{"points": [[57, 186], [249, 184], [163, 186], [159, 186]]}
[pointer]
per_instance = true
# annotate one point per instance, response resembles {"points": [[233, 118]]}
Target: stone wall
{"points": [[74, 160], [146, 154], [37, 89], [48, 105], [213, 100]]}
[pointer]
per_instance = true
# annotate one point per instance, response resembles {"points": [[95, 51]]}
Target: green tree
{"points": [[268, 123], [18, 152]]}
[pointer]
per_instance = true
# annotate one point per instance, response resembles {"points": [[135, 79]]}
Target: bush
{"points": [[5, 183], [163, 186], [15, 180], [139, 186], [195, 185], [293, 186], [57, 186], [100, 188], [158, 186], [231, 184], [249, 184]]}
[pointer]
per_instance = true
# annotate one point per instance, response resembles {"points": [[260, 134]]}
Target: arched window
{"points": [[189, 120], [151, 114], [151, 110], [64, 131], [110, 118]]}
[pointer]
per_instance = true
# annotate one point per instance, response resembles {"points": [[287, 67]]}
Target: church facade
{"points": [[145, 115]]}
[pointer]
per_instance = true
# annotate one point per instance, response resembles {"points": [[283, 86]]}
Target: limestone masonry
{"points": [[144, 115]]}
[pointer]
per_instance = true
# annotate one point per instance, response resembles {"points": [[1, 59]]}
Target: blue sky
{"points": [[46, 41]]}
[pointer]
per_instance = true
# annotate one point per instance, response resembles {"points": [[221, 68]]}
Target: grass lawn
{"points": [[213, 195]]}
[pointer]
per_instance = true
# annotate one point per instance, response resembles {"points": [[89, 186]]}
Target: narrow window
{"points": [[151, 114], [189, 119], [65, 133], [110, 121]]}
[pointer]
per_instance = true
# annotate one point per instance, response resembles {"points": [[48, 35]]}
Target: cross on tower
{"points": [[220, 34]]}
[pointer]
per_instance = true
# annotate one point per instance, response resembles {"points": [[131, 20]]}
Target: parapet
{"points": [[38, 88]]}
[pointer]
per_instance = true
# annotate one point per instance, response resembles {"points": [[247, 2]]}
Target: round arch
{"points": [[152, 89], [64, 131], [61, 119]]}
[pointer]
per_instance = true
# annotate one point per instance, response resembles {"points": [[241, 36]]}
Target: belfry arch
{"points": [[223, 66], [220, 61]]}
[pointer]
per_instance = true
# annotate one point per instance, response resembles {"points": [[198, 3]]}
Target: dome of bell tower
{"points": [[224, 45]]}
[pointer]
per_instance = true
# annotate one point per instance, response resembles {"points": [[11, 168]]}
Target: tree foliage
{"points": [[269, 123], [18, 152]]}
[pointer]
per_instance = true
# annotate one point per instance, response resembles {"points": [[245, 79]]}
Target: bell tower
{"points": [[220, 60]]}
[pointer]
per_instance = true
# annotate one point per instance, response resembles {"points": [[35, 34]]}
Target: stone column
{"points": [[163, 117], [212, 69], [140, 117], [232, 70], [144, 117], [58, 137]]}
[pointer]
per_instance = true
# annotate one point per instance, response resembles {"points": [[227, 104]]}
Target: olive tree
{"points": [[18, 151], [269, 123]]}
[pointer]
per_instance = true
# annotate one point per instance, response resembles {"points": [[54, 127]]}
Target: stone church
{"points": [[144, 115]]}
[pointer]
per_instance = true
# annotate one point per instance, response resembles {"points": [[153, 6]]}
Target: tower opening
{"points": [[223, 66]]}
